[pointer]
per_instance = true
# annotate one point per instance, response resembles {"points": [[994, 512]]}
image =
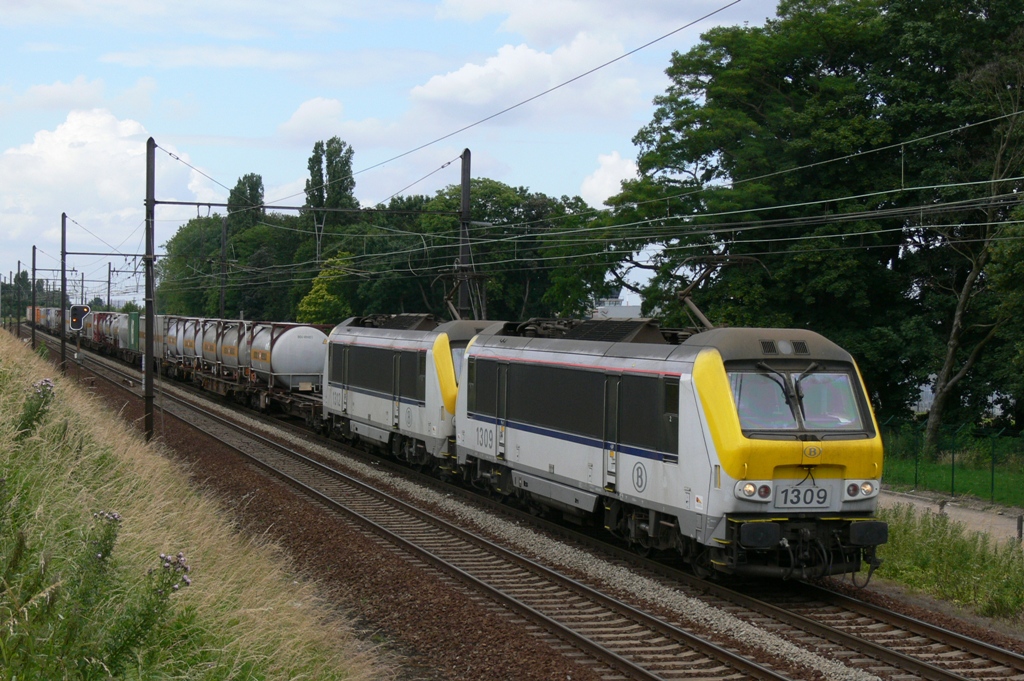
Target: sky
{"points": [[227, 88]]}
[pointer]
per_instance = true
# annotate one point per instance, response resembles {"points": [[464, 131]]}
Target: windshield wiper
{"points": [[802, 376], [799, 390], [784, 384]]}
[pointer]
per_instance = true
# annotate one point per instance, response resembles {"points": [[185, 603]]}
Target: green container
{"points": [[133, 331]]}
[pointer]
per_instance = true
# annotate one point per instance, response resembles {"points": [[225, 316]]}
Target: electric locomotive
{"points": [[391, 381], [747, 451]]}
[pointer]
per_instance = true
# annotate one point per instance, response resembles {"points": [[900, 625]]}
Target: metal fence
{"points": [[988, 464]]}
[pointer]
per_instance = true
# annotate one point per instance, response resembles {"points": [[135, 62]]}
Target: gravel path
{"points": [[1001, 523]]}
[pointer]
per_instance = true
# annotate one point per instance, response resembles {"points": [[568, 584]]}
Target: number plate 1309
{"points": [[801, 497]]}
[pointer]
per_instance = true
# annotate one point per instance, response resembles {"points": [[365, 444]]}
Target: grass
{"points": [[930, 553], [1006, 487], [112, 567]]}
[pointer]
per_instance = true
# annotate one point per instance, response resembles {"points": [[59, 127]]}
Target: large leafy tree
{"points": [[782, 144], [510, 233], [327, 300], [257, 271], [245, 203], [190, 267], [735, 164], [954, 64]]}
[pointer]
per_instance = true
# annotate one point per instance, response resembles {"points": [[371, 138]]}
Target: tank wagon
{"points": [[255, 363]]}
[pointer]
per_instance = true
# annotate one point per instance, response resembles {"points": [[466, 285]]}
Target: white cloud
{"points": [[207, 56], [78, 94], [315, 119], [517, 73], [139, 97], [92, 167], [606, 181], [548, 22], [229, 19]]}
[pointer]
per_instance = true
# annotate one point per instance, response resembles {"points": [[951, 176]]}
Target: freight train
{"points": [[745, 451]]}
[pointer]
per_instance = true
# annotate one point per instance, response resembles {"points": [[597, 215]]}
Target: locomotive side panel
{"points": [[389, 386]]}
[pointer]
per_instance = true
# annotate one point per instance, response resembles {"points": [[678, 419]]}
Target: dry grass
{"points": [[244, 616]]}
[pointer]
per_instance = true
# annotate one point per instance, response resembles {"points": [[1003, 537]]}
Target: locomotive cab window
{"points": [[788, 399], [336, 369], [458, 349], [483, 387]]}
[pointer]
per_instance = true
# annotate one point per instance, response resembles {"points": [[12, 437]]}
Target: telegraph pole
{"points": [[224, 260], [63, 288], [32, 322], [148, 365], [109, 269], [465, 309], [17, 304]]}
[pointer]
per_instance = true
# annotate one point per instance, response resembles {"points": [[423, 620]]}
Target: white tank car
{"points": [[159, 334], [233, 347], [119, 332], [191, 343], [392, 379], [210, 332], [748, 451], [174, 338], [289, 356]]}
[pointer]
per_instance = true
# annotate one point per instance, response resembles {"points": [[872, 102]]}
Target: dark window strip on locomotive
{"points": [[373, 370], [573, 401]]}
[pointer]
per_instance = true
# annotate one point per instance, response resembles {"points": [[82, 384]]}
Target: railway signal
{"points": [[78, 313]]}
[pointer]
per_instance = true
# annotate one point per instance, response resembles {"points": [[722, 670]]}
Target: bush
{"points": [[65, 617], [931, 553]]}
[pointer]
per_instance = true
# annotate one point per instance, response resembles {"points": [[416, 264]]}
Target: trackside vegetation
{"points": [[930, 553], [111, 566]]}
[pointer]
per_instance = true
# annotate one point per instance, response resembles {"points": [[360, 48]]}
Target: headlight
{"points": [[760, 491], [857, 490]]}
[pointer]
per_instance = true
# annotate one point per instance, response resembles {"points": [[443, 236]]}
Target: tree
{"points": [[509, 235], [958, 62], [331, 185], [735, 164], [817, 144], [190, 267], [245, 204], [326, 302]]}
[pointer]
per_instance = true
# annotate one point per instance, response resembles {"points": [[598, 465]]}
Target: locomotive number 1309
{"points": [[801, 497], [485, 438]]}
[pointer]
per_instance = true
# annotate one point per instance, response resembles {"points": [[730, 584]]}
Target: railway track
{"points": [[875, 640]]}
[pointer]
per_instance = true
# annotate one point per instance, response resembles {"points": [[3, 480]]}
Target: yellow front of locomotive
{"points": [[796, 451]]}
